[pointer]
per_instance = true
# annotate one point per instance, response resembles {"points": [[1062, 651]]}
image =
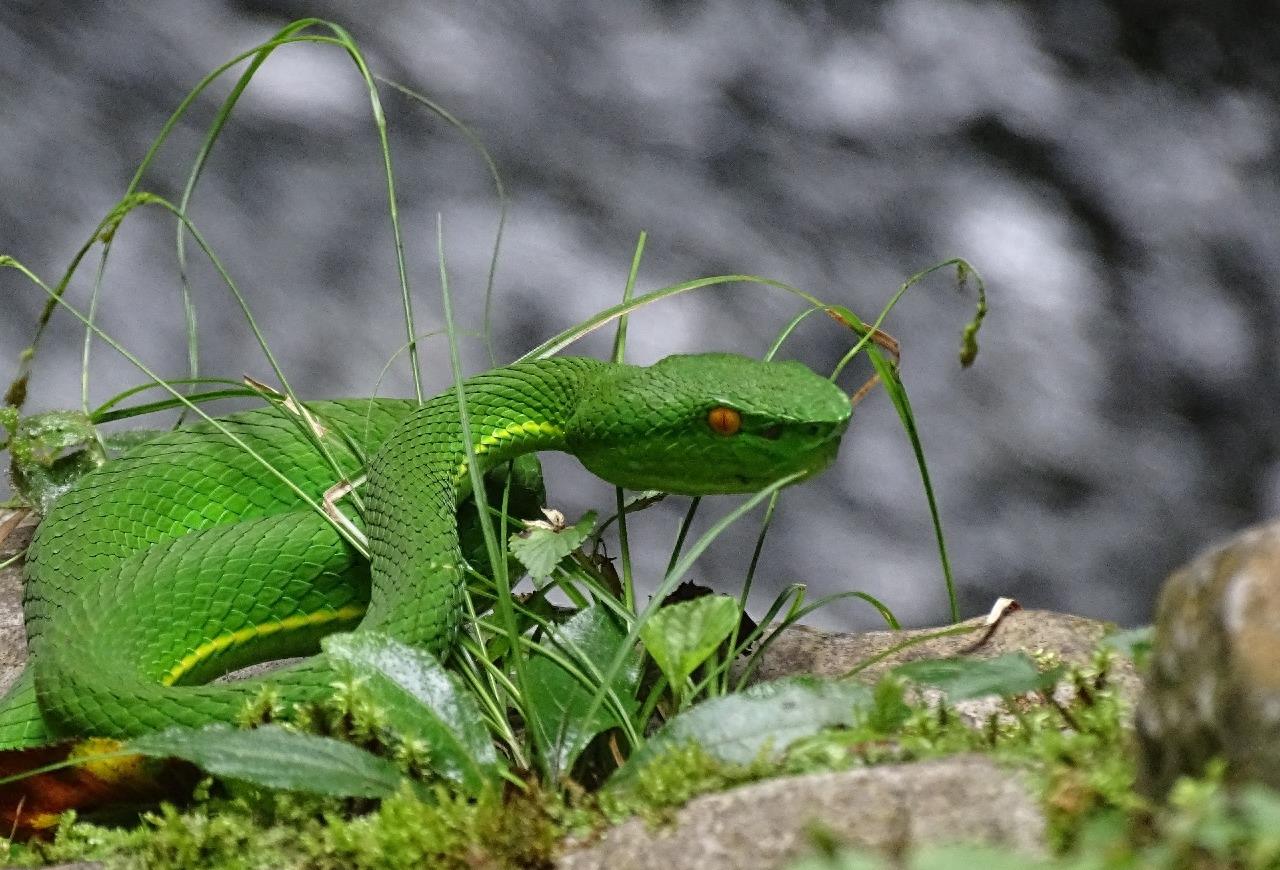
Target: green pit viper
{"points": [[184, 558]]}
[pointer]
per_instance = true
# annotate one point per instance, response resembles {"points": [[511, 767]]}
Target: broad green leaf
{"points": [[276, 758], [765, 718], [420, 700], [540, 550], [559, 700], [1010, 674], [682, 636]]}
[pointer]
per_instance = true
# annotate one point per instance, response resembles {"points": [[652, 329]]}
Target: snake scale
{"points": [[184, 558]]}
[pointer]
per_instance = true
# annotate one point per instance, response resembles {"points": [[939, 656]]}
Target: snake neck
{"points": [[417, 478]]}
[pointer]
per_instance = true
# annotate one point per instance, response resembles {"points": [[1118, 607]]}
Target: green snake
{"points": [[185, 558]]}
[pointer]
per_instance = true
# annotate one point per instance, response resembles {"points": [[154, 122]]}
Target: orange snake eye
{"points": [[724, 421]]}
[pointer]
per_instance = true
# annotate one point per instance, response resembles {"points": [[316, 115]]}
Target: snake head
{"points": [[708, 423]]}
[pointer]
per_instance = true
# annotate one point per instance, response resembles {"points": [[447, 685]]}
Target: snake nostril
{"points": [[773, 433]]}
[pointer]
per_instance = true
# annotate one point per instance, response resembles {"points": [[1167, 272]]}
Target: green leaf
{"points": [[1010, 674], [765, 719], [276, 758], [841, 859], [420, 700], [682, 636], [966, 856], [1134, 643], [540, 550], [1260, 806], [559, 700]]}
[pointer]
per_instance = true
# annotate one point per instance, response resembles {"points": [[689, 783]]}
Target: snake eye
{"points": [[724, 421]]}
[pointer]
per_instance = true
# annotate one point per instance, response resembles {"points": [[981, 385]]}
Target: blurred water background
{"points": [[1109, 167]]}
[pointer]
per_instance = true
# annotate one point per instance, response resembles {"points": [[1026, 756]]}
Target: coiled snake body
{"points": [[185, 558]]}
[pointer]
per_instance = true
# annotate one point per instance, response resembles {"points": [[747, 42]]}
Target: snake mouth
{"points": [[823, 455], [806, 462]]}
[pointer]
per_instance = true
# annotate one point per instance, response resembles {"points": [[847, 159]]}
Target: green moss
{"points": [[672, 779], [522, 831], [282, 832], [1077, 755], [234, 825]]}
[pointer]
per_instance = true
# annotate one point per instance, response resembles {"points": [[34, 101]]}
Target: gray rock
{"points": [[1214, 686], [1074, 639], [16, 529], [257, 670], [17, 525], [889, 809]]}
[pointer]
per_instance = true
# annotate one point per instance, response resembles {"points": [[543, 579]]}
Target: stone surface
{"points": [[801, 650], [16, 529], [1214, 686], [890, 809]]}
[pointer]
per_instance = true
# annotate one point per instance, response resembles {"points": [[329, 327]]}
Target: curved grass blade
{"points": [[259, 57], [559, 342], [11, 263], [497, 559], [504, 200], [619, 354], [898, 396]]}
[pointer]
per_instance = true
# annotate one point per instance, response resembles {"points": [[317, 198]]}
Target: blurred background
{"points": [[1108, 167]]}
